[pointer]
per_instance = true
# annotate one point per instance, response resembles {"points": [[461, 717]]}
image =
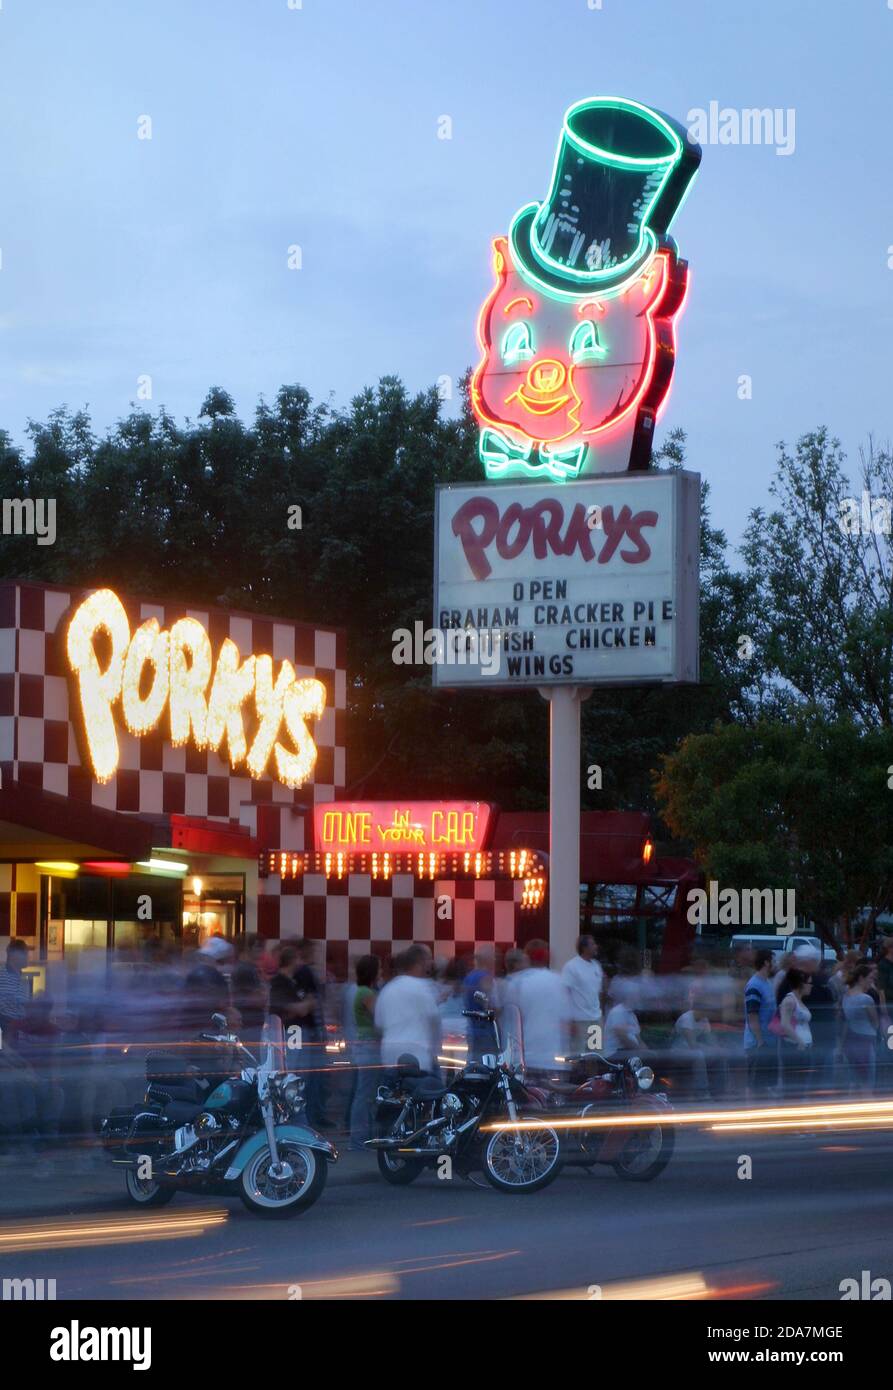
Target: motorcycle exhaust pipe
{"points": [[387, 1143]]}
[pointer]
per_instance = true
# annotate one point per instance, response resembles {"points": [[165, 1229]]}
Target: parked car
{"points": [[780, 945]]}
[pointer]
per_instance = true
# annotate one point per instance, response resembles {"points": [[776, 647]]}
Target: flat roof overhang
{"points": [[35, 824]]}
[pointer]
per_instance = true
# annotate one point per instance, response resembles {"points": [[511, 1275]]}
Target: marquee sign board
{"points": [[593, 582], [401, 826]]}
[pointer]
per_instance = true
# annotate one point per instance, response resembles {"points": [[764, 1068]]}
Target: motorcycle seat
{"points": [[185, 1090], [427, 1087], [180, 1112], [563, 1088]]}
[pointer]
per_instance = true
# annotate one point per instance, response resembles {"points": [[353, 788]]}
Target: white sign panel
{"points": [[592, 582]]}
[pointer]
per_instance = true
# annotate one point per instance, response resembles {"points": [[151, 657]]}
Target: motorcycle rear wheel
{"points": [[657, 1143], [262, 1195], [523, 1161], [144, 1192]]}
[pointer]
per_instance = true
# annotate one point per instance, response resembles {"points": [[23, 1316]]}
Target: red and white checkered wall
{"points": [[359, 915]]}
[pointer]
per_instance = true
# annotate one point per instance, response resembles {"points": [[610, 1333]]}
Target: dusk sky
{"points": [[318, 127]]}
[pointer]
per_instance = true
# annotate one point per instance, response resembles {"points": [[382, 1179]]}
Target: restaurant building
{"points": [[172, 772]]}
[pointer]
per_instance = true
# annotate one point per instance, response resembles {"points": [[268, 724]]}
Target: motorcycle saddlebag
{"points": [[132, 1125]]}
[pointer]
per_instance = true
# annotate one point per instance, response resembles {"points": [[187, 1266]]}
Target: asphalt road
{"points": [[816, 1210]]}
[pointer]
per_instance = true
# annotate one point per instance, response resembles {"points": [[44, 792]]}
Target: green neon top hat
{"points": [[621, 173]]}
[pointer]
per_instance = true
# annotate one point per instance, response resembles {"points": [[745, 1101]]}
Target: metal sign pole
{"points": [[564, 819]]}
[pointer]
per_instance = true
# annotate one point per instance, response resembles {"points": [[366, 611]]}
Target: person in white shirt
{"points": [[623, 1033], [507, 990], [545, 1010], [692, 1029], [692, 1035], [583, 979], [406, 1012]]}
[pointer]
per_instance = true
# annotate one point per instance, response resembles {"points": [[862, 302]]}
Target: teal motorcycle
{"points": [[223, 1125]]}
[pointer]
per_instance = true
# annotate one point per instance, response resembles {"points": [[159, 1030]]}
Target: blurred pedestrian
{"points": [[795, 1034], [841, 975], [760, 1052], [693, 1036], [885, 970], [349, 1034], [15, 990], [287, 1001], [262, 953], [38, 1044], [406, 1013], [455, 1027], [544, 1005], [479, 980], [206, 986], [823, 1010], [516, 963], [860, 1016], [583, 979], [250, 997], [294, 1005], [623, 1031], [311, 985], [366, 1050]]}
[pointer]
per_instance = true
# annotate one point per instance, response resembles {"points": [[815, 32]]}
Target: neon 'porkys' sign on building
{"points": [[152, 672], [577, 335]]}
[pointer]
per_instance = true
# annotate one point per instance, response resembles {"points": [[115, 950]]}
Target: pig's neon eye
{"points": [[517, 344], [585, 342]]}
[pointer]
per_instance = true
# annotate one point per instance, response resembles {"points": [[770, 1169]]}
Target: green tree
{"points": [[625, 731], [821, 586], [803, 804]]}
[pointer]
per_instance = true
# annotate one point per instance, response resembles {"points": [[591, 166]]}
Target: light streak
{"points": [[104, 1230], [861, 1114]]}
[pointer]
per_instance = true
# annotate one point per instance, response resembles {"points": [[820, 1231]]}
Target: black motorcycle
{"points": [[228, 1125], [422, 1122]]}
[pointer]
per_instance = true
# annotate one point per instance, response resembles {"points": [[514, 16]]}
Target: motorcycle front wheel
{"points": [[144, 1192], [645, 1154], [266, 1195], [523, 1160]]}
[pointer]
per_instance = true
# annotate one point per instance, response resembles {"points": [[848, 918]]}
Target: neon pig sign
{"points": [[577, 335], [180, 661]]}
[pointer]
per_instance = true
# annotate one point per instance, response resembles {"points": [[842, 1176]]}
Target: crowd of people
{"points": [[767, 1028]]}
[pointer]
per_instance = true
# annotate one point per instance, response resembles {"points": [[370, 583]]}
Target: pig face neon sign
{"points": [[153, 669], [577, 335]]}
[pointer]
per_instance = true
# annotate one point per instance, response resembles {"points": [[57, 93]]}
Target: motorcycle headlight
{"points": [[645, 1078]]}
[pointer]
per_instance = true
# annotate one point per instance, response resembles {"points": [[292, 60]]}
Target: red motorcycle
{"points": [[637, 1153]]}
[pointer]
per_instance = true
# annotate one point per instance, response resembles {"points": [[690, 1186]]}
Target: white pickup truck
{"points": [[780, 945]]}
